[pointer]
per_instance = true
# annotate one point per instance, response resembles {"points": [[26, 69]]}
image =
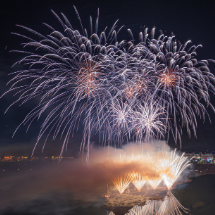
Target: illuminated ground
{"points": [[121, 203]]}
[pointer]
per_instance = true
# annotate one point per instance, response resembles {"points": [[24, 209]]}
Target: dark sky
{"points": [[188, 19]]}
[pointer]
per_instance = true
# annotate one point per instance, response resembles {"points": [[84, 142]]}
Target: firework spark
{"points": [[171, 167], [138, 180], [122, 182]]}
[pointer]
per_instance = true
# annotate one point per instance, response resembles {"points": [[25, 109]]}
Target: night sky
{"points": [[189, 19]]}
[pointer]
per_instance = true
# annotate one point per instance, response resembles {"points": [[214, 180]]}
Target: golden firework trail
{"points": [[171, 167], [122, 182], [138, 180]]}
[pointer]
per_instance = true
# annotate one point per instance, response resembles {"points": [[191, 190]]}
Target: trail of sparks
{"points": [[122, 182], [138, 180]]}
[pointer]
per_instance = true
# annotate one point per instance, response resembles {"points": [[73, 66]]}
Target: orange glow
{"points": [[168, 79], [88, 74], [138, 180], [134, 88], [121, 182]]}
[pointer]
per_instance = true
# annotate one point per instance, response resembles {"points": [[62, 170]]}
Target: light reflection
{"points": [[168, 206]]}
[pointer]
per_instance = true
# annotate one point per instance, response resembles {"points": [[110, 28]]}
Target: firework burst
{"points": [[182, 82], [120, 89]]}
